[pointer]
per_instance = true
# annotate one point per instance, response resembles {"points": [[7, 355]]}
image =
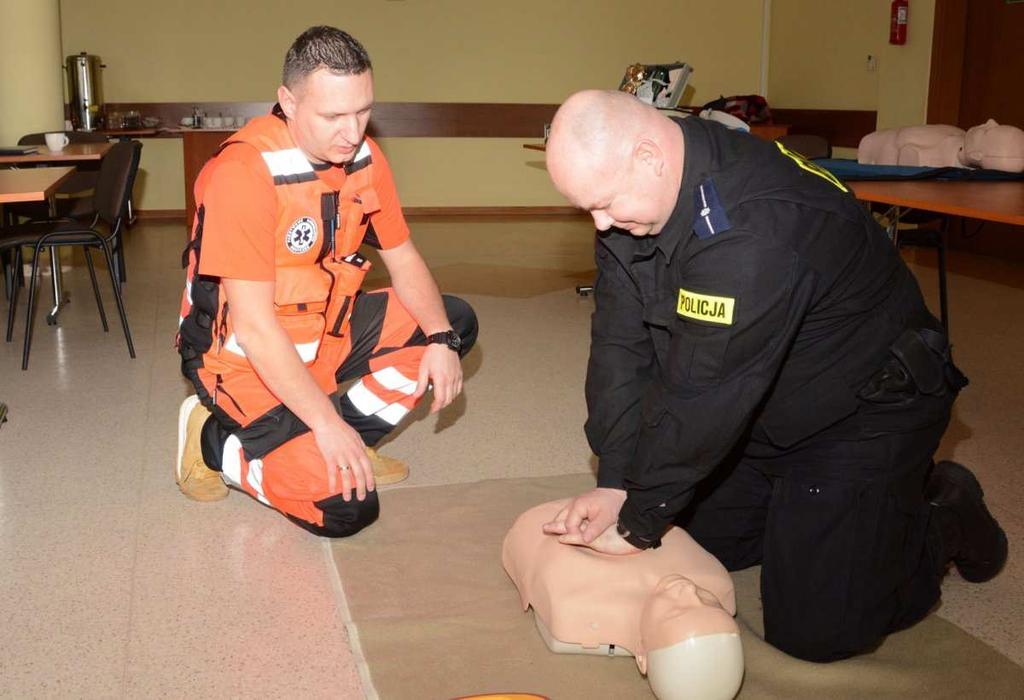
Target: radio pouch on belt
{"points": [[921, 361], [924, 364]]}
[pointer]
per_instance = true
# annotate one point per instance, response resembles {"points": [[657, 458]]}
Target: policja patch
{"points": [[301, 235], [710, 218], [704, 307]]}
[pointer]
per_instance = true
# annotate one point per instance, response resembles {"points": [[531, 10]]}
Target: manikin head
{"points": [[617, 158], [995, 147], [327, 94], [684, 628]]}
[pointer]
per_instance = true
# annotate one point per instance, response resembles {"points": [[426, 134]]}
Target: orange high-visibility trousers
{"points": [[291, 476]]}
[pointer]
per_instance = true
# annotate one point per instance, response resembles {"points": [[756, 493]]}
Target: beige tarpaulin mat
{"points": [[437, 617]]}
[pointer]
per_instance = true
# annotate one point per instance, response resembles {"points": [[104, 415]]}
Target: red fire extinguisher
{"points": [[898, 21]]}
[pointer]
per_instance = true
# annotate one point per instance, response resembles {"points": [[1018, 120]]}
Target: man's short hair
{"points": [[328, 47]]}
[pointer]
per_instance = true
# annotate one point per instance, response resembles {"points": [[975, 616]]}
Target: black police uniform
{"points": [[770, 343]]}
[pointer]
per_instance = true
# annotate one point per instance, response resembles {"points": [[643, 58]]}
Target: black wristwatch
{"points": [[636, 540], [449, 338]]}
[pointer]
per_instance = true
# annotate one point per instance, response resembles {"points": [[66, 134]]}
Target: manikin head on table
{"points": [[671, 607]]}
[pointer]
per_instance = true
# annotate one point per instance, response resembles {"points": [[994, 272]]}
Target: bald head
{"points": [[594, 129], [604, 144]]}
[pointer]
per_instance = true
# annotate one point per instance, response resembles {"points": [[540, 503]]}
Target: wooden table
{"points": [[31, 185], [37, 185], [74, 152], [1002, 202], [987, 201]]}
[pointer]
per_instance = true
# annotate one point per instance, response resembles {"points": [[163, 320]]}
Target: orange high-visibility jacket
{"points": [[317, 270]]}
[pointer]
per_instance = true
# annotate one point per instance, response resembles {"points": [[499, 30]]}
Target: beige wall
{"points": [[490, 51], [423, 50], [818, 58], [30, 68], [904, 71]]}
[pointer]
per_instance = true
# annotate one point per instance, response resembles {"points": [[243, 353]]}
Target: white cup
{"points": [[56, 141], [212, 122]]}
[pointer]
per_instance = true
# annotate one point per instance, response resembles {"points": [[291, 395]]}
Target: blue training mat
{"points": [[846, 169]]}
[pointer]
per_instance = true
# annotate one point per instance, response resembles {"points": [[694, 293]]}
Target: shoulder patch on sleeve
{"points": [[710, 218], [704, 307]]}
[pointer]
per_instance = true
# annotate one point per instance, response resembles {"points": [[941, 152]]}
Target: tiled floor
{"points": [[114, 585]]}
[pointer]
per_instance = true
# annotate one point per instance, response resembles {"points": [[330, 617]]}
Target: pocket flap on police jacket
{"points": [[807, 411]]}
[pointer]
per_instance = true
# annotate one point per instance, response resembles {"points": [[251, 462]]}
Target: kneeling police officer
{"points": [[764, 371]]}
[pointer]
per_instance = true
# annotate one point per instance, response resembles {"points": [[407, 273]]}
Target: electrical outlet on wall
{"points": [[871, 65]]}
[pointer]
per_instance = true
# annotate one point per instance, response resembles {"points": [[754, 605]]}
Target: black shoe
{"points": [[973, 538]]}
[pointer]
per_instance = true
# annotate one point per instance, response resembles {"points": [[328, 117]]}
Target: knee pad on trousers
{"points": [[343, 518], [212, 440], [463, 319]]}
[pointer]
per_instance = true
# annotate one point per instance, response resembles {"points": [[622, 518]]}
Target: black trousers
{"points": [[848, 548]]}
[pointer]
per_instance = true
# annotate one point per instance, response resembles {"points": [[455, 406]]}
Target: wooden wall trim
{"points": [[949, 40], [493, 211], [841, 127], [472, 120], [160, 214], [389, 119], [490, 120], [411, 212]]}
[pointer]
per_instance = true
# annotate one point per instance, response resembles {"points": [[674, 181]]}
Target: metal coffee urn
{"points": [[84, 94]]}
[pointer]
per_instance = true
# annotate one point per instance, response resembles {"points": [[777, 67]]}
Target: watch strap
{"points": [[449, 338]]}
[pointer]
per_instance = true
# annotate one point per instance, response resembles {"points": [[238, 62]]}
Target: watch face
{"points": [[454, 341]]}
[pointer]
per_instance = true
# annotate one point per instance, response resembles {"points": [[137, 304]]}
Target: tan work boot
{"points": [[386, 470], [194, 478]]}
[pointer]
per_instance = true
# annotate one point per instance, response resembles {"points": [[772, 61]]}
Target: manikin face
{"points": [[676, 595], [676, 610], [327, 114]]}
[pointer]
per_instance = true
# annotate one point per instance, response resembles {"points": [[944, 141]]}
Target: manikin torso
{"points": [[990, 145], [934, 145], [671, 607]]}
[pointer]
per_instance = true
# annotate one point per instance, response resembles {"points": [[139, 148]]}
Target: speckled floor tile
{"points": [[114, 585]]}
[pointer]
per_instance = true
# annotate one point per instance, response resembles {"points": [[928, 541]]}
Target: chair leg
{"points": [[122, 272], [30, 312], [8, 269], [13, 275], [940, 246], [15, 287], [19, 276], [95, 287], [119, 300]]}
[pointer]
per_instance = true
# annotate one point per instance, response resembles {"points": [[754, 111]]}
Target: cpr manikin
{"points": [[672, 607], [990, 146]]}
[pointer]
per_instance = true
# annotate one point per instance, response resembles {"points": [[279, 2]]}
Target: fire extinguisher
{"points": [[898, 21]]}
